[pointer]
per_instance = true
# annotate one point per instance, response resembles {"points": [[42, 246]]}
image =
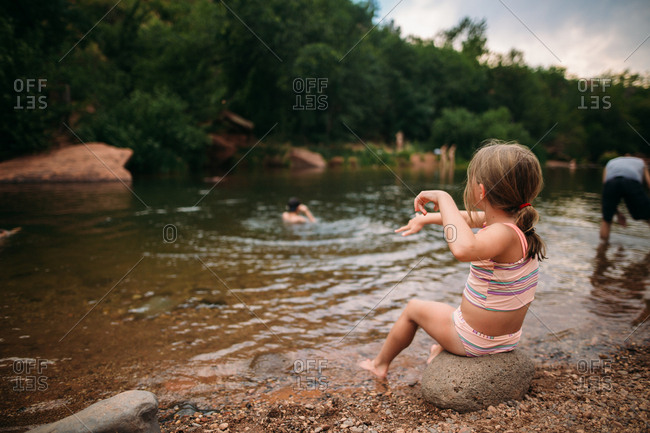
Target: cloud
{"points": [[589, 37]]}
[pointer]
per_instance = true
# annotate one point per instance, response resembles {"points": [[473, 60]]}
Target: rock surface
{"points": [[336, 161], [425, 161], [127, 412], [303, 158], [90, 162], [468, 384]]}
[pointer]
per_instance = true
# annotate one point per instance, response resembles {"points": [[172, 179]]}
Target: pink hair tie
{"points": [[521, 206]]}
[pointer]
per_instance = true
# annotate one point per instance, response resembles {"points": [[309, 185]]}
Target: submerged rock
{"points": [[468, 384], [127, 412]]}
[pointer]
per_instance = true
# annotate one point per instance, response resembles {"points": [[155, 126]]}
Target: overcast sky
{"points": [[585, 37]]}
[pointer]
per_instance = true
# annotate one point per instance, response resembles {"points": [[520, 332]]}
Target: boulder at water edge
{"points": [[303, 158], [88, 162], [127, 412], [468, 384]]}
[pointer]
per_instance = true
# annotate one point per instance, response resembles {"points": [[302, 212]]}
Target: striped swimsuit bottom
{"points": [[477, 344]]}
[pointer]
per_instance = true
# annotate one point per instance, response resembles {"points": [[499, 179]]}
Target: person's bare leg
{"points": [[604, 229], [436, 349], [433, 317], [620, 218]]}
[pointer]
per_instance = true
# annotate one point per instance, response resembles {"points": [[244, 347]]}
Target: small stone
{"points": [[223, 426]]}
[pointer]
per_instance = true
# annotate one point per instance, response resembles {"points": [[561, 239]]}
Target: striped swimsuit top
{"points": [[503, 286]]}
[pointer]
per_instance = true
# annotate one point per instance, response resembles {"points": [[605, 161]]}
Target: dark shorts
{"points": [[636, 200]]}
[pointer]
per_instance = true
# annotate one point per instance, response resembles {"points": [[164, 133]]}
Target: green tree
{"points": [[32, 33], [157, 128], [468, 130]]}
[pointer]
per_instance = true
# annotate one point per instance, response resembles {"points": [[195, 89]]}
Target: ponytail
{"points": [[512, 177], [525, 218]]}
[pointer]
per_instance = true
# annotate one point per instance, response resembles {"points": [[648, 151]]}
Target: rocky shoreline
{"points": [[608, 394]]}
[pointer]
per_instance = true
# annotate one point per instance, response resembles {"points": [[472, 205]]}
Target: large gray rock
{"points": [[469, 384], [128, 412]]}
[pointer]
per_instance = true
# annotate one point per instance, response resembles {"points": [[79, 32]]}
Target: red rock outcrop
{"points": [[90, 162], [303, 158]]}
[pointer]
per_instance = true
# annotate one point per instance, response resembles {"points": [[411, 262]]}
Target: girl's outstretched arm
{"points": [[463, 243], [419, 221], [416, 223]]}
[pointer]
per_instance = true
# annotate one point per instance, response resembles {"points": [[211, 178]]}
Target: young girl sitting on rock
{"points": [[502, 181]]}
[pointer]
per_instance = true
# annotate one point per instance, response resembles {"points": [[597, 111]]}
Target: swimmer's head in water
{"points": [[293, 204]]}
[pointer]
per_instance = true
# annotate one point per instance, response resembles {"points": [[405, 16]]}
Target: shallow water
{"points": [[182, 287]]}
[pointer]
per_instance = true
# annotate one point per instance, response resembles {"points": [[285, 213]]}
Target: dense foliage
{"points": [[154, 76]]}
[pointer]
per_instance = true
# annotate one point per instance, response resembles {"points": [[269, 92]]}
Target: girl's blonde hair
{"points": [[512, 176]]}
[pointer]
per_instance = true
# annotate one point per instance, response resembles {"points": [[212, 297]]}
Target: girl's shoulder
{"points": [[500, 228], [510, 237]]}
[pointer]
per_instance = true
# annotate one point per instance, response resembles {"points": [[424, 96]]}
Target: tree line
{"points": [[155, 75]]}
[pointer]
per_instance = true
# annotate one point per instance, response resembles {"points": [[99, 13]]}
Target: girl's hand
{"points": [[425, 197], [414, 226]]}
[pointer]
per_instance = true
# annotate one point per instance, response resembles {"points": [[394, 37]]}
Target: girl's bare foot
{"points": [[435, 351], [369, 364]]}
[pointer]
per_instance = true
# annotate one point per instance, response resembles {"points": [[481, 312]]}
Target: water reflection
{"points": [[619, 285], [49, 199]]}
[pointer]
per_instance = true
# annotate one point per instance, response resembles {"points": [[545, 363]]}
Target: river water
{"points": [[182, 287]]}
